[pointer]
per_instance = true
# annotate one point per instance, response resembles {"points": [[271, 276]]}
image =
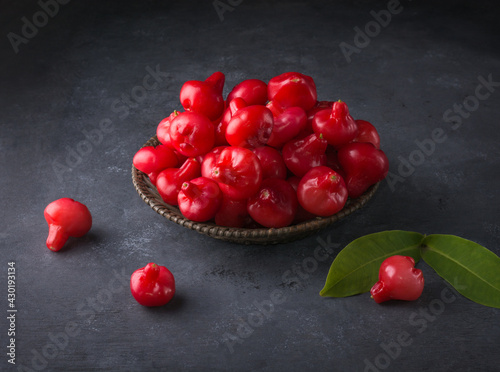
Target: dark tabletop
{"points": [[83, 86]]}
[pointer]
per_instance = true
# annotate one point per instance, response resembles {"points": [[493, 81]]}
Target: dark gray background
{"points": [[77, 72]]}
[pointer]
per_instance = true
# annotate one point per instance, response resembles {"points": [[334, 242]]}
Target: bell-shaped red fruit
{"points": [[66, 218], [337, 125], [204, 97], [398, 280]]}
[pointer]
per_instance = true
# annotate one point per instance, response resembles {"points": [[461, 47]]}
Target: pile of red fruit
{"points": [[268, 155]]}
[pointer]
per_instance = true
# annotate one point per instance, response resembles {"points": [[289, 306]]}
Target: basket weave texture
{"points": [[150, 196]]}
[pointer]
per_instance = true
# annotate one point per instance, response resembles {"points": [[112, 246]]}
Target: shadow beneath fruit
{"points": [[174, 306], [84, 243]]}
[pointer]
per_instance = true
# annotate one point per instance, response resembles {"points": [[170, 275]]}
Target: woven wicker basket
{"points": [[150, 195]]}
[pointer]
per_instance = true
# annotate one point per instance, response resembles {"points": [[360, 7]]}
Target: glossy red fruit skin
{"points": [[273, 165], [153, 177], [253, 91], [152, 285], [192, 134], [319, 106], [232, 213], [302, 215], [322, 192], [238, 172], [204, 97], [364, 165], [169, 181], [292, 89], [250, 127], [66, 218], [150, 159], [336, 125], [220, 130], [367, 133], [199, 199], [303, 154], [274, 205], [288, 123], [398, 280], [210, 160], [163, 129]]}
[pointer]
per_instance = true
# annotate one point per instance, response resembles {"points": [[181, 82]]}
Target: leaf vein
{"points": [[466, 268]]}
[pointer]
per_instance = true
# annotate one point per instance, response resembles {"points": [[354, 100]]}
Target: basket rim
{"points": [[242, 235]]}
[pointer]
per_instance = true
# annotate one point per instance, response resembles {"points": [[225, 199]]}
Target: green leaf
{"points": [[470, 268], [355, 269]]}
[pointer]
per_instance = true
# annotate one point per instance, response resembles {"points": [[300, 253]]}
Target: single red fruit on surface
{"points": [[204, 97], [250, 127], [199, 199], [272, 162], [303, 154], [336, 125], [238, 172], [232, 213], [253, 91], [364, 165], [398, 280], [274, 205], [163, 129], [66, 218], [151, 159], [152, 285], [367, 133], [192, 134], [322, 191], [169, 181], [292, 89]]}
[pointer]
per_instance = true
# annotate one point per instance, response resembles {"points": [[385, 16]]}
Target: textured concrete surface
{"points": [[110, 71]]}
